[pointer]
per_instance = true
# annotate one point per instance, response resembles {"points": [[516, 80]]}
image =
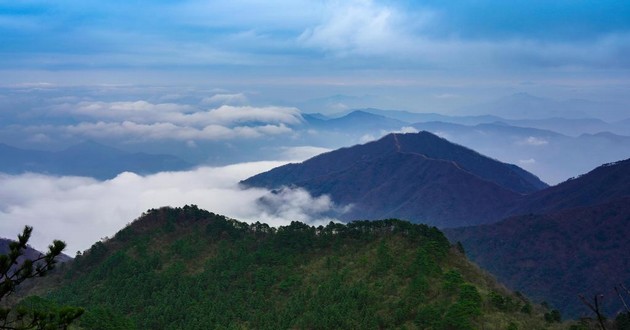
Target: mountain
{"points": [[605, 183], [527, 106], [85, 159], [554, 157], [29, 252], [355, 121], [186, 268], [570, 126], [562, 241], [419, 177], [414, 117], [555, 256]]}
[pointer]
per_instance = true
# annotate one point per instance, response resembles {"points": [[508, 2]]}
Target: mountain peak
{"points": [[417, 176]]}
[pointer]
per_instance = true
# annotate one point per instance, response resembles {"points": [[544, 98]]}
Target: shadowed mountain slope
{"points": [[605, 183], [419, 177], [556, 256], [565, 240]]}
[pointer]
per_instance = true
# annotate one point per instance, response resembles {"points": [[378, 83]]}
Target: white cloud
{"points": [[533, 141], [225, 99], [302, 153], [361, 27], [529, 161], [169, 131], [149, 113], [229, 114], [367, 138], [81, 210], [406, 129]]}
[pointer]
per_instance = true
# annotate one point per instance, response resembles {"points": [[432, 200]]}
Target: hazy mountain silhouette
{"points": [[355, 121]]}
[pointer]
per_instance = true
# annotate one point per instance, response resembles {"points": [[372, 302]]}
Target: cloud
{"points": [[231, 114], [360, 27], [81, 210], [146, 112], [533, 141], [529, 161], [169, 131], [302, 153], [406, 129], [145, 121], [225, 99]]}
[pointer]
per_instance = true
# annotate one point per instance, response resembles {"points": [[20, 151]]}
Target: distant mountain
{"points": [[414, 117], [527, 106], [85, 159], [29, 252], [187, 268], [603, 184], [355, 121], [565, 240], [571, 127], [420, 177], [553, 156]]}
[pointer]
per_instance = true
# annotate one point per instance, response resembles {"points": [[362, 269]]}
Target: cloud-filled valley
{"points": [[82, 210]]}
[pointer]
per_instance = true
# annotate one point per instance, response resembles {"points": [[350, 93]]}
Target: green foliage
{"points": [[34, 312], [213, 272], [512, 326], [553, 316], [451, 281], [622, 321]]}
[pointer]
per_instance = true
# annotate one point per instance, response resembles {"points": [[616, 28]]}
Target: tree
{"points": [[15, 269]]}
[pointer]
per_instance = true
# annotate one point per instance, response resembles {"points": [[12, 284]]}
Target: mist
{"points": [[82, 211]]}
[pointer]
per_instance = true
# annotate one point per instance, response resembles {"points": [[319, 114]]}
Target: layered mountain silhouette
{"points": [[85, 159], [563, 241], [420, 177]]}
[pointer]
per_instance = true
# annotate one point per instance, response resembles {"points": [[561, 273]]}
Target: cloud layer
{"points": [[81, 211]]}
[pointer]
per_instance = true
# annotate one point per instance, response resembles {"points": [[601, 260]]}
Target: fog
{"points": [[81, 211]]}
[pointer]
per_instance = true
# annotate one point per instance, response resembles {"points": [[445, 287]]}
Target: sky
{"points": [[207, 75], [440, 54]]}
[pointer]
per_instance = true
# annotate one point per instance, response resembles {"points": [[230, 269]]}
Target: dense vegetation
{"points": [[186, 268], [557, 256]]}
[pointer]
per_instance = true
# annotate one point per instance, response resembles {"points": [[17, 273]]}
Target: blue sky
{"points": [[313, 42]]}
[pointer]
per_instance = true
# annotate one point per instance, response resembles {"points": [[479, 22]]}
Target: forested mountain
{"points": [[556, 256], [186, 268], [85, 159], [419, 177], [604, 183], [562, 241]]}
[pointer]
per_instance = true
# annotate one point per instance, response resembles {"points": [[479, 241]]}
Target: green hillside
{"points": [[186, 268]]}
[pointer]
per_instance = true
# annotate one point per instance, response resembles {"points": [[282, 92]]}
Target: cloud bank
{"points": [[81, 210]]}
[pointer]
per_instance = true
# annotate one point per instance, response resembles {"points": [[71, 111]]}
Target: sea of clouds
{"points": [[82, 211]]}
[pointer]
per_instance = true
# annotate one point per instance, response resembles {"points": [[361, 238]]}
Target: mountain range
{"points": [[551, 243]]}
